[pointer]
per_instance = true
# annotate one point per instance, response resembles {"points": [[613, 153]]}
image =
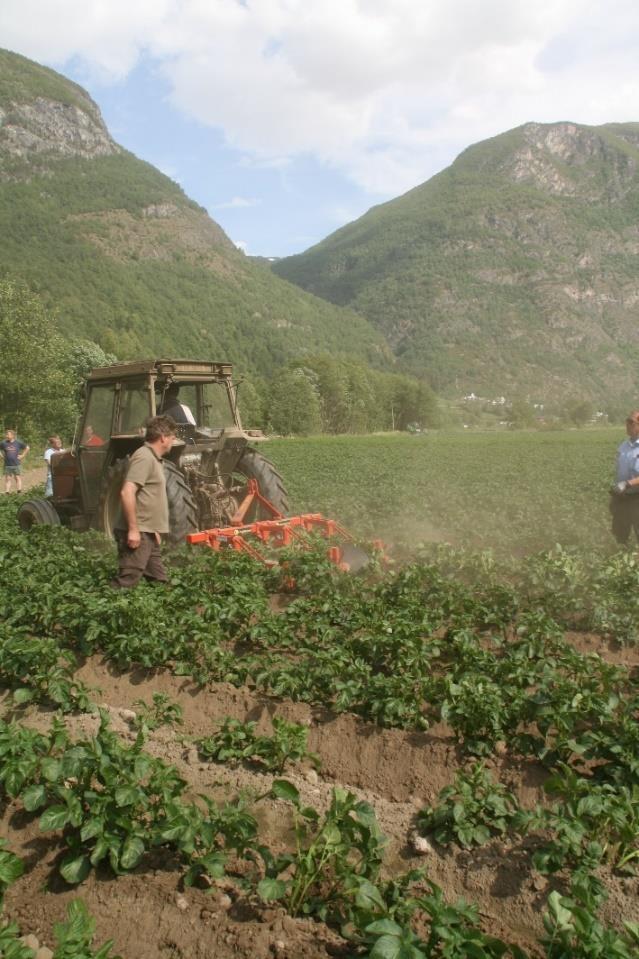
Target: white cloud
{"points": [[387, 91], [241, 245], [237, 203], [108, 36]]}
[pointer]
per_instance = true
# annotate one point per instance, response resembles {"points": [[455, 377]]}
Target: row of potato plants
{"points": [[112, 801], [454, 636]]}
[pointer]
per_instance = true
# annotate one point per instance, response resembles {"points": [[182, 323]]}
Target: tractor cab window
{"points": [[135, 408], [96, 429], [216, 407], [94, 442]]}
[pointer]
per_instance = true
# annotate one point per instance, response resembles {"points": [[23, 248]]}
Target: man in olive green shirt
{"points": [[145, 509]]}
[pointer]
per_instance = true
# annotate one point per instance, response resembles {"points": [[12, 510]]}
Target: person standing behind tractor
{"points": [[55, 446], [624, 501], [13, 451], [144, 508]]}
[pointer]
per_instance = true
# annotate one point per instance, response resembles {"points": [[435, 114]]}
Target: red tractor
{"points": [[208, 471]]}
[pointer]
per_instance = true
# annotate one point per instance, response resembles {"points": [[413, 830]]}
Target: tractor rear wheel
{"points": [[109, 508], [182, 508], [252, 465], [37, 512]]}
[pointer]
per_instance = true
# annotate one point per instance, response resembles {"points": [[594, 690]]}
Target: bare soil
{"points": [[32, 477], [148, 914]]}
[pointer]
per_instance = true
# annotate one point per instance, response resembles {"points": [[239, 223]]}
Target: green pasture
{"points": [[519, 492]]}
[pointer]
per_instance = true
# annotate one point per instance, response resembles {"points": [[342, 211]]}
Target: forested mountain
{"points": [[124, 258], [514, 271]]}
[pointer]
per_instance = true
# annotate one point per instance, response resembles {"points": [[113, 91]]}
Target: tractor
{"points": [[210, 470]]}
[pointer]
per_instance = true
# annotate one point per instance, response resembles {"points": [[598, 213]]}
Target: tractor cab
{"points": [[210, 463], [120, 400]]}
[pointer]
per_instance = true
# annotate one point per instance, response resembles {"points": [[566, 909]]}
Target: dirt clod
{"points": [[421, 845]]}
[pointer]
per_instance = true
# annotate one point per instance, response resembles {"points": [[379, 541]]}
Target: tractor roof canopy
{"points": [[180, 371]]}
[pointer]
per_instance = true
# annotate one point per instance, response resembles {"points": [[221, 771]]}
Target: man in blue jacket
{"points": [[624, 501]]}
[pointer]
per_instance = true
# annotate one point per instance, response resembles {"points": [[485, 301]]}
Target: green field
{"points": [[513, 679], [517, 492]]}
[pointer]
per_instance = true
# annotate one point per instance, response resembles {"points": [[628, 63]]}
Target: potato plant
{"points": [[470, 811], [236, 742], [473, 639], [115, 803]]}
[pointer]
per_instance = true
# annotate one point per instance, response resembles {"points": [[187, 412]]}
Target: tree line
{"points": [[328, 394], [43, 372]]}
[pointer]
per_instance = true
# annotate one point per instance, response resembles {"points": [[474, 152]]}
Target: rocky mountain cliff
{"points": [[125, 258], [514, 271], [42, 130]]}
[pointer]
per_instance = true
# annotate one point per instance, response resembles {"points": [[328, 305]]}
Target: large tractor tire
{"points": [[109, 507], [253, 465], [182, 509], [37, 512]]}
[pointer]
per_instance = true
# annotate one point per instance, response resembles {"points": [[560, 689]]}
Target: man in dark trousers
{"points": [[144, 508], [624, 501]]}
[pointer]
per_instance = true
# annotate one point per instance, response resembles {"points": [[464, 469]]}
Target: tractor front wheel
{"points": [[37, 512], [252, 465]]}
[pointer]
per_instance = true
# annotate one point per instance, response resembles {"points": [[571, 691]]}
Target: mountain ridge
{"points": [[124, 257], [513, 270]]}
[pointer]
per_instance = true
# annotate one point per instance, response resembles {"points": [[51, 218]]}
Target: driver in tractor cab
{"points": [[172, 407], [89, 438]]}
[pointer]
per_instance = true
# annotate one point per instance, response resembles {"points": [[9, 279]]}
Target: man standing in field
{"points": [[13, 451], [144, 508], [624, 501]]}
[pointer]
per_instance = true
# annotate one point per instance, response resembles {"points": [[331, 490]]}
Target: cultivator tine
{"points": [[282, 531]]}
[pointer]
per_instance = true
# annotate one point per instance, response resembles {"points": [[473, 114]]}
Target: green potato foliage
{"points": [[470, 811], [237, 742]]}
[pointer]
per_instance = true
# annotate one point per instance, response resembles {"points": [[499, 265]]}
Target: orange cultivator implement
{"points": [[280, 531]]}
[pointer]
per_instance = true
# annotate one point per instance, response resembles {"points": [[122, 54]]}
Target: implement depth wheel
{"points": [[37, 512]]}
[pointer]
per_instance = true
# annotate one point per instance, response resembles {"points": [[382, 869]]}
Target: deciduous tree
{"points": [[36, 387]]}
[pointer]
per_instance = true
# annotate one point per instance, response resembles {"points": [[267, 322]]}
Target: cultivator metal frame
{"points": [[277, 532]]}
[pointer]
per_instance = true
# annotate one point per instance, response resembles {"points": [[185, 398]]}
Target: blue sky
{"points": [[288, 118], [268, 208]]}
